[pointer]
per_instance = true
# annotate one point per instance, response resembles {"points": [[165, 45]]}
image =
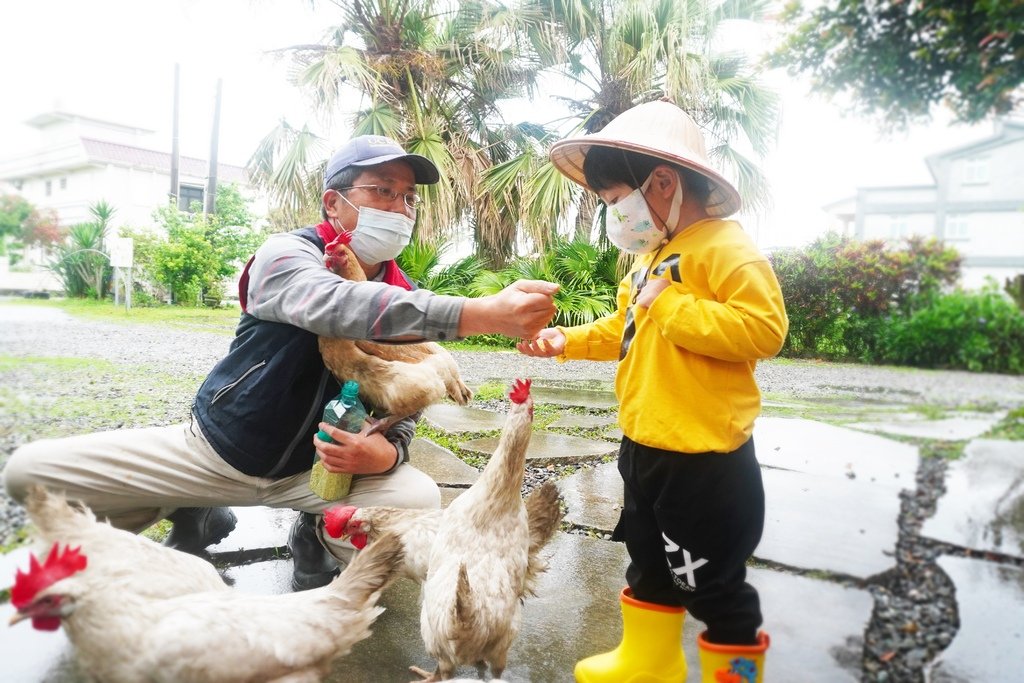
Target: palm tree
{"points": [[81, 262], [429, 75], [624, 52]]}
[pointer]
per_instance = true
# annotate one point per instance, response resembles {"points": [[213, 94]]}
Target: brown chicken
{"points": [[477, 558], [138, 611], [399, 379]]}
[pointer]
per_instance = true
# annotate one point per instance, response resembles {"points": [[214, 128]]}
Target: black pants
{"points": [[690, 522]]}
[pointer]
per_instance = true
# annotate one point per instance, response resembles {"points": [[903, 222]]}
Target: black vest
{"points": [[260, 405]]}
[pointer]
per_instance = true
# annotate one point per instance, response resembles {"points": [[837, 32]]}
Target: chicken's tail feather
{"points": [[463, 601], [53, 515], [544, 514], [371, 570]]}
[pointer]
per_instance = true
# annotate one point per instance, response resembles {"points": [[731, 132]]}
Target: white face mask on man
{"points": [[379, 236]]}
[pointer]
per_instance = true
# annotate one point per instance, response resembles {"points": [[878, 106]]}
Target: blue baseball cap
{"points": [[370, 150]]}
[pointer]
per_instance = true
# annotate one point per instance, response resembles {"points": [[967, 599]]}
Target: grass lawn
{"points": [[221, 320]]}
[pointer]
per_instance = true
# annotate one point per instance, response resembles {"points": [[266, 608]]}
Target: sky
{"points": [[114, 59]]}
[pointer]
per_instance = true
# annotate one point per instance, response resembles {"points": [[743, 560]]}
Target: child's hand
{"points": [[550, 342], [652, 288]]}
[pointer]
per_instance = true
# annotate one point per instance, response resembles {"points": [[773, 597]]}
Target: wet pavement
{"points": [[833, 504]]}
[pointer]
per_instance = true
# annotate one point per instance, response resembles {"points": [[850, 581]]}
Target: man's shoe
{"points": [[196, 528], [312, 565]]}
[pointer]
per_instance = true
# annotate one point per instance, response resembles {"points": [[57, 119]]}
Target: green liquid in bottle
{"points": [[345, 412]]}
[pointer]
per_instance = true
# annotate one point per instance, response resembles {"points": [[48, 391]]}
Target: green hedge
{"points": [[875, 302], [980, 331]]}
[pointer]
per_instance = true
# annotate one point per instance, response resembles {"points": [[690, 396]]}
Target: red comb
{"points": [[336, 518], [57, 566], [344, 237], [520, 391]]}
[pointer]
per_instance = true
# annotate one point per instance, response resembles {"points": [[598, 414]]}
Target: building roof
{"points": [[100, 151], [50, 118], [1006, 130]]}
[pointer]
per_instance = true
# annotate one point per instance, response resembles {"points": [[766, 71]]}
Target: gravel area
{"points": [[915, 614]]}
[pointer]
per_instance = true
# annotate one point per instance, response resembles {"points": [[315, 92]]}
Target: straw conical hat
{"points": [[658, 129]]}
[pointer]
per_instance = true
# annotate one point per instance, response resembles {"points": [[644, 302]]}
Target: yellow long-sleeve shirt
{"points": [[686, 381]]}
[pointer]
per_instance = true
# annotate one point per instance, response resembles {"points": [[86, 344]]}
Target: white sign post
{"points": [[122, 256]]}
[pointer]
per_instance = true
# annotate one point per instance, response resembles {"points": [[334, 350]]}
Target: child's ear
{"points": [[665, 179]]}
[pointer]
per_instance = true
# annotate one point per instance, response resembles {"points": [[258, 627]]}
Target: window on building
{"points": [[957, 227], [898, 227], [64, 182], [18, 183], [188, 194], [976, 171], [49, 188]]}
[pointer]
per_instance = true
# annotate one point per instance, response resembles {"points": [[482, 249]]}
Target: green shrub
{"points": [[840, 291], [979, 331], [1015, 288]]}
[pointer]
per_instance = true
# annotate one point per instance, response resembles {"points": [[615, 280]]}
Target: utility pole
{"points": [[211, 183], [175, 150]]}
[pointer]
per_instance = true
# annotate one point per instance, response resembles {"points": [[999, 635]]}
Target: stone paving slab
{"points": [[593, 497], [575, 421], [613, 434], [581, 398], [812, 521], [585, 575], [441, 464], [949, 429], [257, 527], [549, 449], [817, 448], [820, 522], [449, 494], [983, 507], [990, 643], [459, 420]]}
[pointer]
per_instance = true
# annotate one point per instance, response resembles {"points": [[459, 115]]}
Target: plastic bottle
{"points": [[348, 413]]}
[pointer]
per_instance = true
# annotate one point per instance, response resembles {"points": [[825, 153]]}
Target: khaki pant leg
{"points": [[133, 477], [406, 487]]}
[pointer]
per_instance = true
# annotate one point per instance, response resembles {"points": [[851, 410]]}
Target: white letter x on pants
{"points": [[689, 566]]}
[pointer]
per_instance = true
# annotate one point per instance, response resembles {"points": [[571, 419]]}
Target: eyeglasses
{"points": [[411, 199]]}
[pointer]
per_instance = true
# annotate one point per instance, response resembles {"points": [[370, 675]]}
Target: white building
{"points": [[976, 205], [80, 161]]}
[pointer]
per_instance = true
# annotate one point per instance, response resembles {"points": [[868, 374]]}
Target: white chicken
{"points": [[131, 618], [400, 379], [477, 558]]}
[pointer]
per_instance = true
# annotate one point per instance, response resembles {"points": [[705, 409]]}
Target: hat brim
{"points": [[424, 170], [568, 156]]}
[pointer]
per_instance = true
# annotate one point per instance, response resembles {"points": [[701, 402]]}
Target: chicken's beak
{"points": [[18, 616]]}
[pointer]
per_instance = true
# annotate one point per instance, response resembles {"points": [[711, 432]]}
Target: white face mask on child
{"points": [[379, 236], [630, 225]]}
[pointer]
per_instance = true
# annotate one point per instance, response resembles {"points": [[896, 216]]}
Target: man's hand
{"points": [[355, 453], [549, 343], [520, 310]]}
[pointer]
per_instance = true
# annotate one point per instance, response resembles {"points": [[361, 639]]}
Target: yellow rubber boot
{"points": [[651, 650], [732, 663]]}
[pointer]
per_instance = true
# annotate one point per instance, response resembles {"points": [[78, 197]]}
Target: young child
{"points": [[700, 306]]}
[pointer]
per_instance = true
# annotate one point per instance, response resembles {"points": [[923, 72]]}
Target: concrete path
{"points": [[833, 500]]}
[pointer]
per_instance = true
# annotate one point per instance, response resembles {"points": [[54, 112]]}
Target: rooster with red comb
{"points": [[138, 611], [478, 558], [398, 379]]}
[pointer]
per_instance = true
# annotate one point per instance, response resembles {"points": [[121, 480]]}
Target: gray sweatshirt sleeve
{"points": [[288, 283], [400, 434]]}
